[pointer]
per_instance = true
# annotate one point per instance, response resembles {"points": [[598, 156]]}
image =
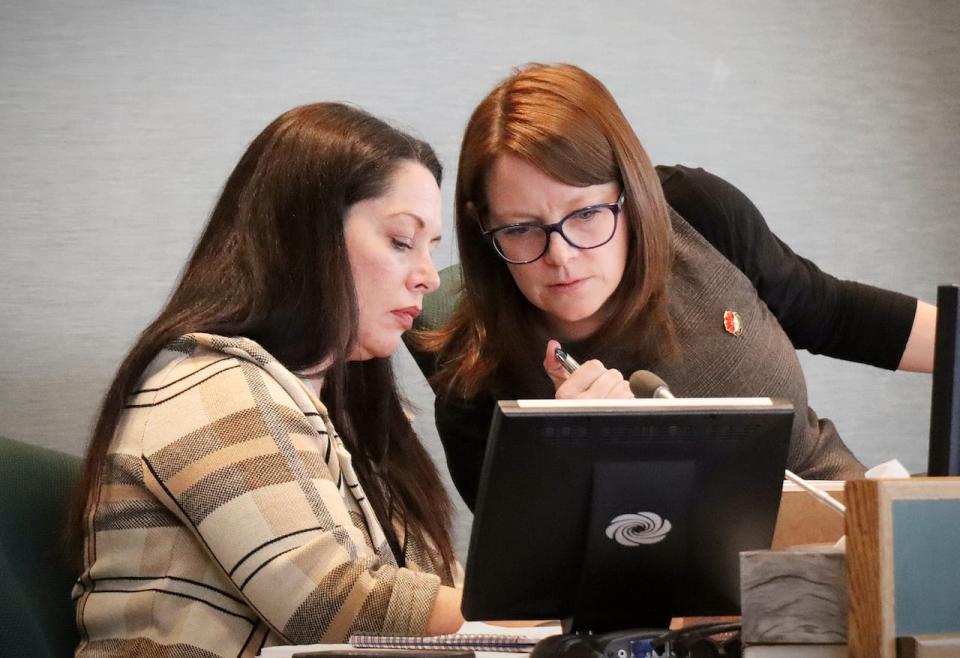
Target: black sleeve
{"points": [[819, 313], [463, 427]]}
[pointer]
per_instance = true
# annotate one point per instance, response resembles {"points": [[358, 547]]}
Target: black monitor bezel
{"points": [[943, 456]]}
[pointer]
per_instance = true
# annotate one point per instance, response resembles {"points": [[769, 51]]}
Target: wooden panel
{"points": [[872, 551], [804, 520]]}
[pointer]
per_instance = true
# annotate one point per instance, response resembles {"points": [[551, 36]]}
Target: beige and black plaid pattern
{"points": [[229, 517]]}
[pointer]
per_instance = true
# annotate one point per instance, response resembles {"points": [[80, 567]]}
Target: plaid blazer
{"points": [[228, 517]]}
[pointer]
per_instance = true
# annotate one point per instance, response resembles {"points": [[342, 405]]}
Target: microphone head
{"points": [[645, 384]]}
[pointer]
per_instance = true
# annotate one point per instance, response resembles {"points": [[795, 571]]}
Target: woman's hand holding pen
{"points": [[590, 380]]}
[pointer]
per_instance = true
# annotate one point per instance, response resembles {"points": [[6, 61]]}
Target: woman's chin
{"points": [[574, 326], [378, 350]]}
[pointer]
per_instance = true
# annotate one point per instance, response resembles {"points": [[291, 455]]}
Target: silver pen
{"points": [[568, 362]]}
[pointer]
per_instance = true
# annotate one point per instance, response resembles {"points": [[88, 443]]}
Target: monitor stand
{"points": [[610, 612], [617, 588]]}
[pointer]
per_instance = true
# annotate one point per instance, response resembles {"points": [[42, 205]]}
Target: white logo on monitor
{"points": [[637, 529]]}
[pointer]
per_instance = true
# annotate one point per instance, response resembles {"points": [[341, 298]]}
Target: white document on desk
{"points": [[469, 628]]}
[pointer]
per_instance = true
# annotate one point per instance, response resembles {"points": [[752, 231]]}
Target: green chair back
{"points": [[439, 305], [36, 613]]}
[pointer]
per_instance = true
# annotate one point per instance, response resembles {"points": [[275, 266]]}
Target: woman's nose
{"points": [[426, 277], [559, 250]]}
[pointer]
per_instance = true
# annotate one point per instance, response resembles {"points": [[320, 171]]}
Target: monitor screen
{"points": [[944, 453], [614, 514]]}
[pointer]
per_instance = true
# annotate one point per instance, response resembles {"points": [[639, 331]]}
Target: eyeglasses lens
{"points": [[585, 229]]}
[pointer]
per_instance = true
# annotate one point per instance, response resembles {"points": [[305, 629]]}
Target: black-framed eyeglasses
{"points": [[585, 228]]}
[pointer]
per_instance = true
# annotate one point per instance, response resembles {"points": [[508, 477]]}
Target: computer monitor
{"points": [[619, 514], [944, 452]]}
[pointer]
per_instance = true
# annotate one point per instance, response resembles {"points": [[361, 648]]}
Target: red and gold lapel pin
{"points": [[732, 322]]}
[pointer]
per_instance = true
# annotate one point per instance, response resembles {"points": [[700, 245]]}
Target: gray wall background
{"points": [[119, 122]]}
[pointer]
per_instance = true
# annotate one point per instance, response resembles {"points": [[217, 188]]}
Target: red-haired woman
{"points": [[568, 233]]}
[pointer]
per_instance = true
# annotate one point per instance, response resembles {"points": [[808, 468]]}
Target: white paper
{"points": [[890, 470]]}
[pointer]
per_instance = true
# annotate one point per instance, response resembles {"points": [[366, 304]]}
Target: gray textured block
{"points": [[797, 596]]}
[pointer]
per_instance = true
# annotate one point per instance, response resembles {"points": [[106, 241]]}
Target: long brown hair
{"points": [[566, 123], [271, 265]]}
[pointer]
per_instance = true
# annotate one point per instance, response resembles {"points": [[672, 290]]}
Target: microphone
{"points": [[645, 384]]}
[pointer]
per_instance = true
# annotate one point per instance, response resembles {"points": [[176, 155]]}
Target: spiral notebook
{"points": [[487, 640], [468, 641]]}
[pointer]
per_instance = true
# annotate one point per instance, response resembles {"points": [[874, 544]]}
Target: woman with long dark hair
{"points": [[568, 233], [253, 478]]}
